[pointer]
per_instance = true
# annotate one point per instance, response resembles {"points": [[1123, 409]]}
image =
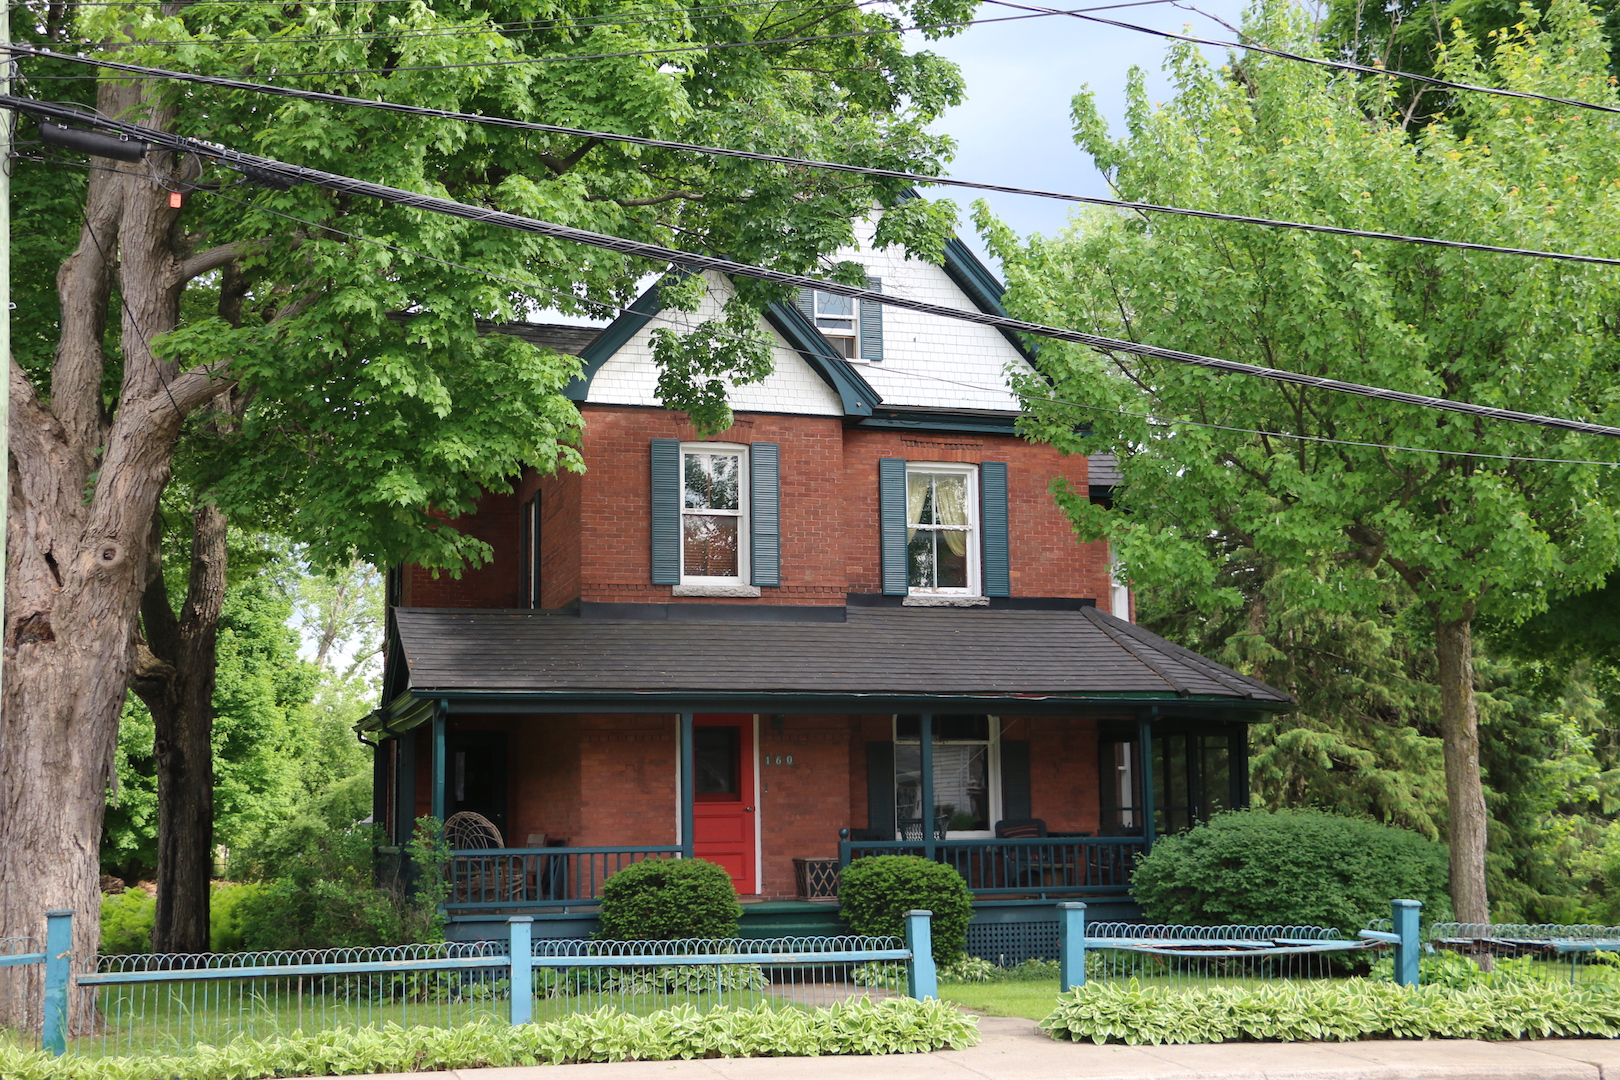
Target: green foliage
{"points": [[322, 885], [126, 921], [1354, 542], [893, 1026], [972, 969], [1338, 1011], [669, 899], [875, 893], [1289, 867], [127, 918]]}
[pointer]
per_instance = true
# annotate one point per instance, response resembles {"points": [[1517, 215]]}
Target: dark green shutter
{"points": [[892, 516], [764, 511], [805, 301], [1015, 802], [872, 324], [880, 787], [666, 511], [993, 528]]}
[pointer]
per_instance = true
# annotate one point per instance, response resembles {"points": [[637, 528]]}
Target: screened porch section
{"points": [[1190, 771]]}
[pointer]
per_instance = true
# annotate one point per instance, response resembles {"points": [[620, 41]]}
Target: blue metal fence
{"points": [[1191, 955], [144, 1003], [38, 978], [1543, 952]]}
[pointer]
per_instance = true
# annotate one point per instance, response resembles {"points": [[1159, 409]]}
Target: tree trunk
{"points": [[85, 482], [177, 684], [1465, 794]]}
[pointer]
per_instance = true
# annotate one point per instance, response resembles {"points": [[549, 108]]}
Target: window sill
{"points": [[744, 591], [945, 601]]}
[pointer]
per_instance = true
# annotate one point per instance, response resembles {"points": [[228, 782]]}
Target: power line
{"points": [[779, 159], [1337, 65], [281, 174], [683, 324]]}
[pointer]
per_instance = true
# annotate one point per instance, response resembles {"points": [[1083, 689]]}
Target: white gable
{"points": [[916, 345], [630, 376], [928, 361]]}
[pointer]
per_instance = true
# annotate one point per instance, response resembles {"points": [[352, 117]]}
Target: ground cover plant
{"points": [[894, 1026], [1332, 1011]]}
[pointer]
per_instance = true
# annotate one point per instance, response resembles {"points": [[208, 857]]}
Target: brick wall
{"points": [[802, 805], [595, 529], [1046, 558]]}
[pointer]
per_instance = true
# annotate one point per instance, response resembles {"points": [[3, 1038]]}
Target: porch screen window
{"points": [[941, 550], [964, 800], [713, 535]]}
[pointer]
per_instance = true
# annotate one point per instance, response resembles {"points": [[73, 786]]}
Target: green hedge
{"points": [[1338, 1011], [875, 893], [893, 1026], [668, 900], [1289, 867]]}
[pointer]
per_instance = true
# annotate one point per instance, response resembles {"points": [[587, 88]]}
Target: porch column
{"points": [[925, 743], [1239, 762], [405, 788], [1144, 738], [683, 773], [438, 760]]}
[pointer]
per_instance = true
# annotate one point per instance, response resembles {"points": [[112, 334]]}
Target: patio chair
{"points": [[1023, 865], [466, 830]]}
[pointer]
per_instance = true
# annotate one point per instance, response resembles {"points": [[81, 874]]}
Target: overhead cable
{"points": [[281, 174], [1337, 65], [810, 163], [682, 323]]}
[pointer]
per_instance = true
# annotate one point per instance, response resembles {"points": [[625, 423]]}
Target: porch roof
{"points": [[873, 658]]}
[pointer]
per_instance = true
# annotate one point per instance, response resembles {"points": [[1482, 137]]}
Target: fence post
{"points": [[58, 969], [921, 982], [1404, 914], [1071, 946], [520, 953]]}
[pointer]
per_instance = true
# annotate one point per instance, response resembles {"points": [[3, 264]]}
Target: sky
{"points": [[1014, 127]]}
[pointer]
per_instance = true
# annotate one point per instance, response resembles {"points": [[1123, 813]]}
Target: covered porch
{"points": [[1072, 756]]}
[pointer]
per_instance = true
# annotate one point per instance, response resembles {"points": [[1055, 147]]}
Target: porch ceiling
{"points": [[898, 653]]}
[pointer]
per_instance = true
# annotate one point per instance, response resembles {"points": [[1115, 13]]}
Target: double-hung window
{"points": [[942, 544], [835, 318], [714, 511]]}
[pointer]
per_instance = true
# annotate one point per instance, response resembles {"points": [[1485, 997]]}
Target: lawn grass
{"points": [[1032, 1000]]}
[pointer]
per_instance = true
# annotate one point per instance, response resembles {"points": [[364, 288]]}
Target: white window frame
{"points": [[832, 332], [992, 763], [975, 586], [743, 477]]}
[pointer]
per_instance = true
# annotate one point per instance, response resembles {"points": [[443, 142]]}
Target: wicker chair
{"points": [[472, 879]]}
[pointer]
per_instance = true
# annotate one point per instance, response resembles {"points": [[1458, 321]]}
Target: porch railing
{"points": [[1046, 866], [487, 879]]}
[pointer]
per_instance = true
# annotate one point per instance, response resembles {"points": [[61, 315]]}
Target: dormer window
{"points": [[854, 328]]}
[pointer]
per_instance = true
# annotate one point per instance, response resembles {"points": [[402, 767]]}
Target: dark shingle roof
{"points": [[898, 651], [1104, 471], [561, 337]]}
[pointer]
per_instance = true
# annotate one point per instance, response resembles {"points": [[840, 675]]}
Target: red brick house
{"points": [[775, 647]]}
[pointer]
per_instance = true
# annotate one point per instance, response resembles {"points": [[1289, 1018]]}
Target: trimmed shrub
{"points": [[667, 900], [876, 892], [1289, 867]]}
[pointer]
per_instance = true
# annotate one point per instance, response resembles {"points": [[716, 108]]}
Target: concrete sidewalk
{"points": [[1011, 1049]]}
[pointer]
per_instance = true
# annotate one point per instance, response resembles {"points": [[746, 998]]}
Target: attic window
{"points": [[835, 318]]}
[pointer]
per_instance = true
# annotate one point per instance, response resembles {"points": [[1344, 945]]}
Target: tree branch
{"points": [[561, 165], [654, 200], [214, 258]]}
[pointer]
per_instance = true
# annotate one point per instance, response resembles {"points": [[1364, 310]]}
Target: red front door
{"points": [[723, 807]]}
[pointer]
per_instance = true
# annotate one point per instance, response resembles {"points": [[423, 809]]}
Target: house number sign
{"points": [[779, 759]]}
